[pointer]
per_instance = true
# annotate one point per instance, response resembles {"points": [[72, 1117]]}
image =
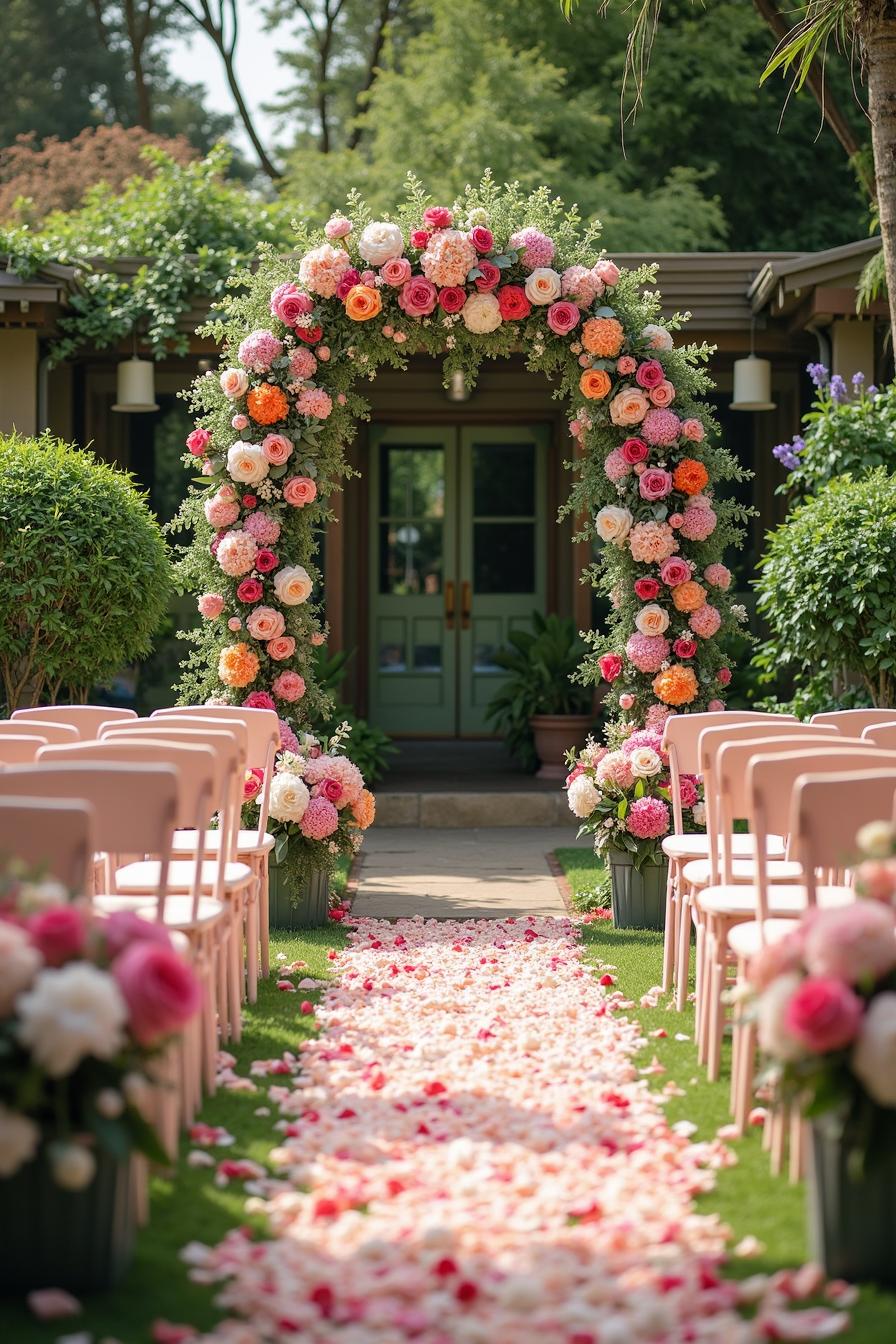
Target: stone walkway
{"points": [[460, 874]]}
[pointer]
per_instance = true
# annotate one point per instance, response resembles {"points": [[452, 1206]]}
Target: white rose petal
{"points": [[234, 383], [613, 523], [19, 964], [543, 285], [247, 463], [644, 762], [774, 1038], [292, 584], [652, 619], [874, 1053], [380, 242]]}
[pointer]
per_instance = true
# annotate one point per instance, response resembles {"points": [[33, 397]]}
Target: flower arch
{"points": [[498, 273]]}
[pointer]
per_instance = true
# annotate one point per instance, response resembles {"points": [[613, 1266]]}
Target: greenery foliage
{"points": [[843, 433], [540, 664], [84, 574], [826, 588]]}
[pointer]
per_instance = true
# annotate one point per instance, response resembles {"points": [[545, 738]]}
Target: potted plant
{"points": [[87, 1004], [539, 710], [825, 1004], [621, 794]]}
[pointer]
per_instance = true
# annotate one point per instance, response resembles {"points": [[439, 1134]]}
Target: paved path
{"points": [[460, 874]]}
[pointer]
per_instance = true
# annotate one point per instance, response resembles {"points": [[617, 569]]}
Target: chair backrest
{"points": [[827, 811], [771, 781], [263, 727], [52, 732], [51, 836], [86, 719], [134, 805], [681, 737], [20, 748], [853, 722], [881, 734]]}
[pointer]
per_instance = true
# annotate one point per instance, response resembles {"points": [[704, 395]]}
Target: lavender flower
{"points": [[818, 373], [857, 380], [784, 453], [838, 390], [872, 390]]}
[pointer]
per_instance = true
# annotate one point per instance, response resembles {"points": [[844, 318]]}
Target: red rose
{"points": [[610, 665], [634, 450], [249, 501], [489, 277], [482, 238], [685, 648], [250, 590], [265, 561], [452, 298], [419, 239], [309, 334], [437, 217], [513, 303], [647, 589], [649, 374]]}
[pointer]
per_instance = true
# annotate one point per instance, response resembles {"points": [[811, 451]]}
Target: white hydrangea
{"points": [[582, 796], [482, 313]]}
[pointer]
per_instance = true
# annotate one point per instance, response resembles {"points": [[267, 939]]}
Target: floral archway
{"points": [[498, 273]]}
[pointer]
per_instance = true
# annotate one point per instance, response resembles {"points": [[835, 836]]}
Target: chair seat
{"points": [[179, 912], [697, 873], [697, 846], [247, 843], [113, 903], [745, 940], [144, 876], [784, 900]]}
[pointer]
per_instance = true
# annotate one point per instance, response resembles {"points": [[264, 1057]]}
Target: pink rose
{"points": [[685, 648], [368, 278], [282, 647], [252, 783], [159, 988], [655, 484], [676, 519], [646, 589], [823, 1014], [650, 374], [239, 421], [330, 789], [59, 933], [437, 217], [198, 441], [349, 279], [289, 303], [663, 394], [420, 239], [634, 450], [337, 226], [876, 879], [258, 700], [234, 383], [610, 665], [607, 271], [693, 431], [418, 297], [289, 686], [234, 623], [210, 605], [124, 928], [396, 272], [299, 491], [724, 675], [482, 238], [266, 560], [626, 364], [562, 317], [675, 571], [250, 590], [323, 353], [626, 700], [318, 640], [265, 623], [855, 943], [716, 706], [276, 448], [452, 298], [489, 278]]}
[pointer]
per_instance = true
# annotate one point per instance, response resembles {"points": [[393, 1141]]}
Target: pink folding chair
{"points": [[52, 837], [853, 722], [20, 748], [52, 732], [881, 734], [85, 719]]}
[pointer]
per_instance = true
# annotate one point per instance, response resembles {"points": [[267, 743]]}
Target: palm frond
{"points": [[872, 282], [824, 20]]}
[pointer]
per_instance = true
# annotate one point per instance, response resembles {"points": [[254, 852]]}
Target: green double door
{"points": [[457, 560]]}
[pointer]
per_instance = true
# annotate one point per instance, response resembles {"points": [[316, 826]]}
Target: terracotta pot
{"points": [[554, 735]]}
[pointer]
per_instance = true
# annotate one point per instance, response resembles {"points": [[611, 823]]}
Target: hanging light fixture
{"points": [[136, 384], [752, 382], [458, 388]]}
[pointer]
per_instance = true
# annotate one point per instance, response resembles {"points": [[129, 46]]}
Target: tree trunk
{"points": [[878, 34], [246, 117]]}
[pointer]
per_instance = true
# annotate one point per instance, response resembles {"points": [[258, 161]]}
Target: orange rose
{"points": [[595, 384], [688, 596], [676, 686], [267, 404], [690, 476], [603, 336], [362, 302]]}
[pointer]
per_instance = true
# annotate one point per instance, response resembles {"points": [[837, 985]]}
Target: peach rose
{"points": [[652, 619], [234, 383], [362, 302], [543, 285], [613, 524], [595, 384], [292, 584], [276, 448], [299, 491], [629, 407], [663, 394], [265, 623], [284, 646]]}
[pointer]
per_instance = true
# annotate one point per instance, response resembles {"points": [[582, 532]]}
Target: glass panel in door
{"points": [[412, 584]]}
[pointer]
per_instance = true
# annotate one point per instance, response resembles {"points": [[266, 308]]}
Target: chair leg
{"points": [[252, 929], [264, 915], [797, 1146], [684, 948], [716, 1012], [670, 937], [235, 980]]}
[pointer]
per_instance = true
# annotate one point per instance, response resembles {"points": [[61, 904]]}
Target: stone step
{"points": [[467, 810]]}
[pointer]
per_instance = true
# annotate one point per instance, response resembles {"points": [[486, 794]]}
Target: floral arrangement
{"points": [[849, 429], [622, 793], [85, 1006], [825, 1003]]}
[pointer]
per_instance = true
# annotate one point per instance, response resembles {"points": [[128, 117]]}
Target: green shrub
{"points": [[849, 430], [827, 591], [84, 575]]}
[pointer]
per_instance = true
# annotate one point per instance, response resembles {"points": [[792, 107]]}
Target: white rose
{"points": [[876, 839], [582, 796], [380, 242], [19, 1138], [73, 1165], [543, 285], [247, 463], [644, 762], [613, 523], [481, 313], [774, 1038], [19, 964], [698, 812], [874, 1053], [234, 383], [292, 584], [289, 797], [69, 1014], [658, 338], [652, 619]]}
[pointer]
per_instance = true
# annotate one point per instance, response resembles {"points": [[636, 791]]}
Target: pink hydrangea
{"points": [[657, 715], [340, 769], [315, 402], [320, 819], [578, 283], [698, 523], [220, 512], [288, 739], [854, 943], [660, 427], [648, 818], [718, 575], [236, 553], [264, 527], [289, 686], [705, 621], [644, 737], [687, 790], [449, 258], [302, 364], [616, 466], [647, 652], [651, 543], [614, 768], [259, 350], [535, 248], [210, 605], [322, 269]]}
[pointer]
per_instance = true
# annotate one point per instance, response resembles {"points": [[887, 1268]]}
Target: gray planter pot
{"points": [[852, 1224], [638, 898], [80, 1240], [303, 909]]}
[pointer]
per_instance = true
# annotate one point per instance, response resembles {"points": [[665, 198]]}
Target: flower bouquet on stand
{"points": [[825, 1006], [621, 793], [87, 1007]]}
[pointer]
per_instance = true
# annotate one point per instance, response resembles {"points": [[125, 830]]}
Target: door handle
{"points": [[466, 605], [449, 604]]}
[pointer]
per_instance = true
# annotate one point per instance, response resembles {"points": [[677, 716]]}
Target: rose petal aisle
{"points": [[470, 1153]]}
